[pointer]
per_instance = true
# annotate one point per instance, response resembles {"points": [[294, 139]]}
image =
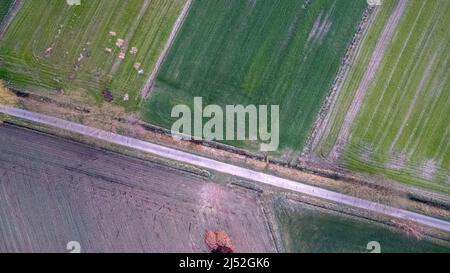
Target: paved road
{"points": [[226, 168], [146, 90]]}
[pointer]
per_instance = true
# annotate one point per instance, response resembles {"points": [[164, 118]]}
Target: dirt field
{"points": [[306, 229], [54, 191]]}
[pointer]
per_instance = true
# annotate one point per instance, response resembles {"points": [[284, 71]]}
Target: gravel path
{"points": [[226, 168]]}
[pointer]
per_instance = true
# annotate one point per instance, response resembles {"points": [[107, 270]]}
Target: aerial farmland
{"points": [[355, 94], [4, 7], [141, 208], [95, 51], [393, 121]]}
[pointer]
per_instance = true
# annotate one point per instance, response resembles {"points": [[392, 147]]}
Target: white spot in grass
{"points": [[73, 2], [320, 28]]}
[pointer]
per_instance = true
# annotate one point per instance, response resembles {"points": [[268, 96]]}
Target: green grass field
{"points": [[78, 37], [306, 229], [4, 7], [257, 52], [402, 128]]}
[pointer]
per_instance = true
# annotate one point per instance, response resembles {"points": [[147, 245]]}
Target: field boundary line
{"points": [[226, 168], [7, 20], [148, 87]]}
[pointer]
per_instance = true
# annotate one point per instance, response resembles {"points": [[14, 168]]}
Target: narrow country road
{"points": [[211, 164]]}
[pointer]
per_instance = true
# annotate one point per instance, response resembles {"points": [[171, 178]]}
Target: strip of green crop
{"points": [[52, 46], [353, 78], [284, 52]]}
